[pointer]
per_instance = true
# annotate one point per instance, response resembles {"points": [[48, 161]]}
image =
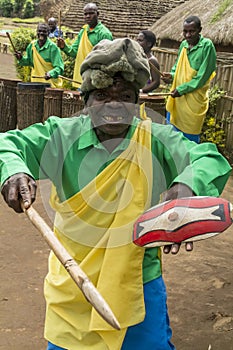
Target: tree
{"points": [[18, 6], [7, 7], [28, 9]]}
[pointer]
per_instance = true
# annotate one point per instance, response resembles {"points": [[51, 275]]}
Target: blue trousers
{"points": [[154, 332]]}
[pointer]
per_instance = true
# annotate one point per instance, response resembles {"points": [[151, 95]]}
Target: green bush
{"points": [[69, 66], [212, 129], [28, 9], [18, 6], [21, 37], [6, 8]]}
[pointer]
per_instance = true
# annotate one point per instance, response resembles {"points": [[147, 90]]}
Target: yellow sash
{"points": [[188, 111], [84, 48], [95, 226], [40, 68]]}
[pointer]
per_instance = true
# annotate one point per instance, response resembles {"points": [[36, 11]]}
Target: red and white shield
{"points": [[182, 220]]}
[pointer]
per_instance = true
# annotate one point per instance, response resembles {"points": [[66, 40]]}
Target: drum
{"points": [[53, 102], [72, 104], [30, 103], [8, 104]]}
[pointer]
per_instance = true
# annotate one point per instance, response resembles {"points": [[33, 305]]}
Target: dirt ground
{"points": [[199, 284], [7, 68]]}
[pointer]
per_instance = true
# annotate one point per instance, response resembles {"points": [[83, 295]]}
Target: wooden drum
{"points": [[8, 104], [53, 102], [30, 103], [72, 104]]}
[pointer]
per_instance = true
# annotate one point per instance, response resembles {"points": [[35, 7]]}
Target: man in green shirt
{"points": [[92, 32], [191, 76], [44, 57], [107, 167]]}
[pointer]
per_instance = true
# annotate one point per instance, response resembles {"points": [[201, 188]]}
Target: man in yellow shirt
{"points": [[92, 32], [190, 76], [44, 57]]}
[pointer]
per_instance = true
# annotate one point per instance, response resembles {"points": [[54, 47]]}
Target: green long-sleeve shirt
{"points": [[202, 58], [50, 53], [68, 152], [95, 35]]}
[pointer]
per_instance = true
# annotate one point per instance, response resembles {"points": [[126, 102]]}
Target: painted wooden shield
{"points": [[182, 220]]}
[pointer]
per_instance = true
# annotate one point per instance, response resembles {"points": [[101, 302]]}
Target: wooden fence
{"points": [[224, 116]]}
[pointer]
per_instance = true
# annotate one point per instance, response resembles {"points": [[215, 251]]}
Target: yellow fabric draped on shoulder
{"points": [[85, 46], [40, 68], [188, 111], [95, 226]]}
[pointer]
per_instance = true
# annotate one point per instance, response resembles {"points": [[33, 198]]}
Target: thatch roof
{"points": [[216, 21], [122, 17]]}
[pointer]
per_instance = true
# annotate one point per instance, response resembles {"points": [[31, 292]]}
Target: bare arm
{"points": [[155, 76]]}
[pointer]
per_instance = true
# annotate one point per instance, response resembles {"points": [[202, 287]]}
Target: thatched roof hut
{"points": [[122, 17], [216, 17]]}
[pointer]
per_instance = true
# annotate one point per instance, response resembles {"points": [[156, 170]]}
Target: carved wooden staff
{"points": [[77, 274], [13, 46], [60, 76], [59, 23]]}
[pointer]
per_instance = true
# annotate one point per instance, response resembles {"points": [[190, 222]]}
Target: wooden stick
{"points": [[13, 46], [59, 23], [155, 68], [38, 76], [157, 49], [60, 76], [159, 93], [77, 274], [73, 81]]}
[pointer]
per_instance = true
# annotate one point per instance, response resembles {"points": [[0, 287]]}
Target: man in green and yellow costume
{"points": [[91, 34], [44, 57], [191, 76], [107, 167]]}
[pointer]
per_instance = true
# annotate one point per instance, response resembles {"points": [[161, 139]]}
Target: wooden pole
{"points": [[60, 76], [80, 278], [73, 81], [59, 23], [37, 76], [159, 93], [13, 46], [155, 68]]}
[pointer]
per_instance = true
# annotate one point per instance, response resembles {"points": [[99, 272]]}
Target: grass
{"points": [[34, 20], [12, 23], [221, 9]]}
